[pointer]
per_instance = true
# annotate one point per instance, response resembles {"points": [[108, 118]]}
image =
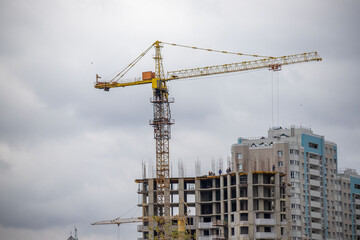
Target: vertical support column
{"points": [[151, 204], [182, 201], [228, 177], [237, 215], [222, 206], [277, 209], [251, 217], [197, 207]]}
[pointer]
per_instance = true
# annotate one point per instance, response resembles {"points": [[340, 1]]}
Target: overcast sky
{"points": [[69, 153]]}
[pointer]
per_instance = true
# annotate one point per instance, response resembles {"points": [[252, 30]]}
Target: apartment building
{"points": [[348, 190], [228, 206], [286, 185], [323, 202]]}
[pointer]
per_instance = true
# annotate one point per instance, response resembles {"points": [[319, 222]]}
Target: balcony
{"points": [[316, 204], [244, 236], [357, 201], [315, 193], [315, 183], [296, 223], [315, 172], [296, 211], [211, 237], [205, 225], [314, 161], [357, 211], [263, 221], [296, 234], [268, 235], [316, 236], [315, 215], [296, 200], [316, 225]]}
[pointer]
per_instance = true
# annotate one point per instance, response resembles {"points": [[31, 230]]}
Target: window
{"points": [[313, 145], [239, 156], [243, 179], [190, 186], [291, 151], [240, 167], [280, 163], [296, 217], [294, 162], [295, 206], [294, 175], [280, 153], [244, 230]]}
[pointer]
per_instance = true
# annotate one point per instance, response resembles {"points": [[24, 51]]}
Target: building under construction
{"points": [[283, 186]]}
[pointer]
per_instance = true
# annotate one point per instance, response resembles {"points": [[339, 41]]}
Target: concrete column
{"points": [[152, 201], [197, 206], [277, 205], [237, 215], [181, 186], [222, 205], [251, 206], [228, 177]]}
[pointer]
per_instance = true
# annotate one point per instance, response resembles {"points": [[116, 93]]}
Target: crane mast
{"points": [[162, 133]]}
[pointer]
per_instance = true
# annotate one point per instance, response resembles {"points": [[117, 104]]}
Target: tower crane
{"points": [[161, 102]]}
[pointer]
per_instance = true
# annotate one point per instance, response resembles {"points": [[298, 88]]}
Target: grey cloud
{"points": [[72, 151], [4, 166]]}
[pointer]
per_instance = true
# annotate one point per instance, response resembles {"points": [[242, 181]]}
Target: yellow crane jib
{"points": [[273, 63]]}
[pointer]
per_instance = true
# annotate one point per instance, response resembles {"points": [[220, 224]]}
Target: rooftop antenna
{"points": [[197, 167], [181, 168], [143, 169], [76, 238], [221, 163]]}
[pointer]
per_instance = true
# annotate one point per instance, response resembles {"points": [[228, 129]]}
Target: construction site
{"points": [[283, 185]]}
